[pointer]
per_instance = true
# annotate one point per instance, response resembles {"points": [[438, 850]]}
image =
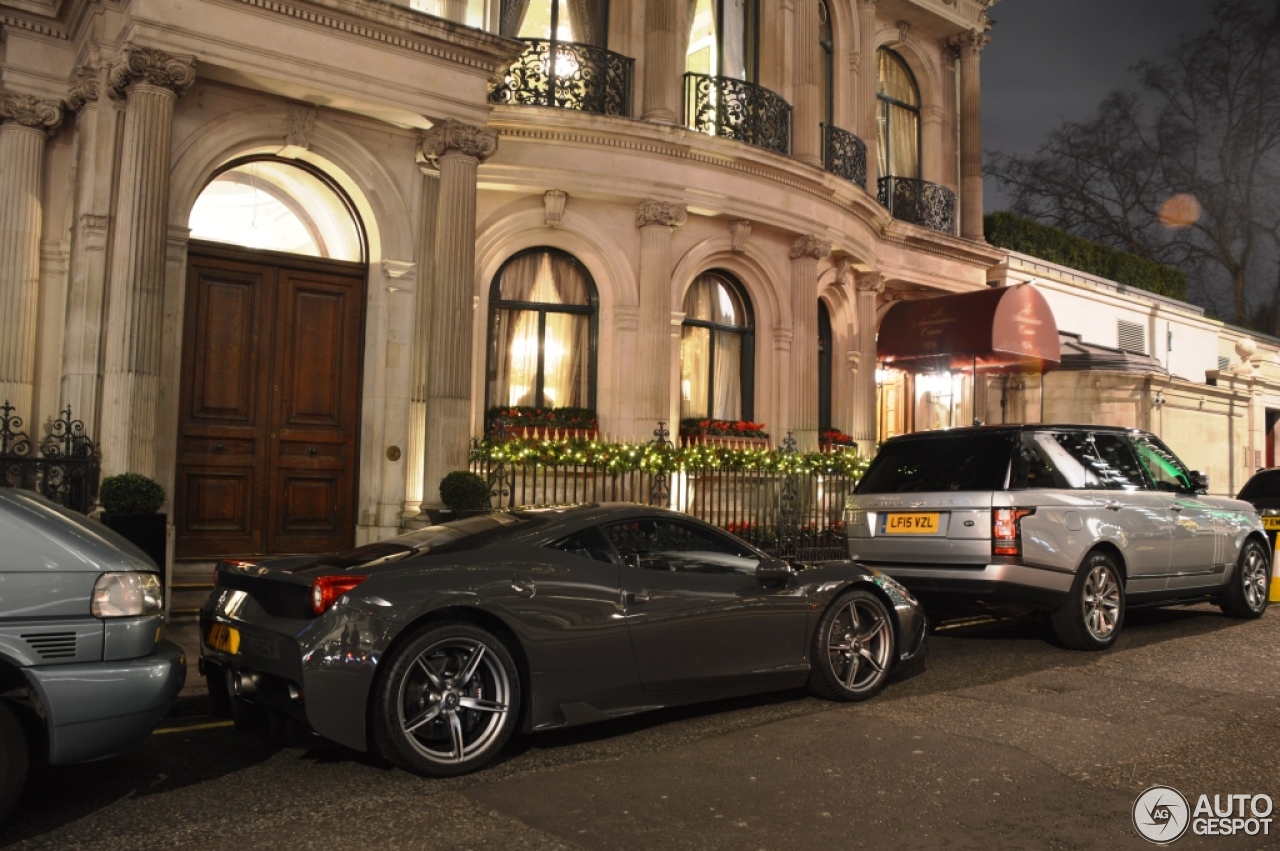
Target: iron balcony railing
{"points": [[919, 202], [567, 75], [65, 469], [736, 109], [844, 154]]}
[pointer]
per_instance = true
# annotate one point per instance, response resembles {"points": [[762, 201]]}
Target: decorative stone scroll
{"points": [[150, 67], [302, 123], [653, 212], [451, 135], [553, 201], [85, 87], [809, 245], [739, 233], [30, 111]]}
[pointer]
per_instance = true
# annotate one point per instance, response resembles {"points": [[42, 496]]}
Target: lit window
{"points": [[580, 21], [541, 332], [898, 117], [722, 38], [273, 205], [716, 350]]}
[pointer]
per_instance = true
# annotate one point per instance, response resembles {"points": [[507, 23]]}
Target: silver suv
{"points": [[1080, 521]]}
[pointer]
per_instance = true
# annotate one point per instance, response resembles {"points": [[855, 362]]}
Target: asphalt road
{"points": [[1003, 741]]}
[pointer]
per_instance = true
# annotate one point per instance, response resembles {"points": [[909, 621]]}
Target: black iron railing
{"points": [[919, 202], [797, 516], [844, 154], [736, 109], [66, 468], [567, 75]]}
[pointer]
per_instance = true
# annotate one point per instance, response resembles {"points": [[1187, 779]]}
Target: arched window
{"points": [[716, 350], [826, 45], [724, 38], [898, 119], [580, 21], [542, 332], [278, 206]]}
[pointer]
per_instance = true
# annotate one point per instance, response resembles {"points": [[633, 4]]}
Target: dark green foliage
{"points": [[528, 415], [1025, 236], [463, 491], [130, 493]]}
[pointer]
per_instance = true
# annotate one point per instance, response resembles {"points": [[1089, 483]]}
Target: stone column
{"points": [[806, 140], [27, 123], [869, 285], [865, 88], [806, 251], [94, 157], [969, 45], [457, 150], [664, 24], [150, 82], [657, 221], [456, 11], [415, 485]]}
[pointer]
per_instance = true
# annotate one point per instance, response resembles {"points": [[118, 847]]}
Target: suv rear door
{"points": [[1195, 546], [1131, 514]]}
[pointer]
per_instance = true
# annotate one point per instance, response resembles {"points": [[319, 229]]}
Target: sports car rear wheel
{"points": [[853, 648], [448, 701]]}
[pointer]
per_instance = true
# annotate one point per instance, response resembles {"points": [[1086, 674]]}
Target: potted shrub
{"points": [[131, 504], [464, 494]]}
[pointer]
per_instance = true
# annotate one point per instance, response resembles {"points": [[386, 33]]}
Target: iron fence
{"points": [[567, 75], [64, 467], [919, 202], [792, 515], [736, 109], [844, 154]]}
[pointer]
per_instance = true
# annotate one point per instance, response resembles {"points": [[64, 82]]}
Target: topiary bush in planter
{"points": [[464, 491], [131, 503]]}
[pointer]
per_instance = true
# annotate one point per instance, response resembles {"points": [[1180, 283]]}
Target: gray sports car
{"points": [[431, 648]]}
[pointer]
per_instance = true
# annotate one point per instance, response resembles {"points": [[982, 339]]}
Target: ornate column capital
{"points": [[85, 87], [968, 43], [869, 282], [150, 67], [654, 212], [29, 111], [450, 135], [810, 245]]}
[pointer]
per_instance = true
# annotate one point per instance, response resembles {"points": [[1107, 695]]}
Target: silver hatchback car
{"points": [[1079, 521]]}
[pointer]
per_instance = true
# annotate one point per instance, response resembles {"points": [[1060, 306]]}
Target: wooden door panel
{"points": [[223, 379], [217, 501], [317, 349]]}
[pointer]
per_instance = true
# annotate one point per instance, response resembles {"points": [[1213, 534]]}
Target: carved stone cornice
{"points": [[30, 111], [85, 87], [151, 67], [810, 245], [869, 282], [653, 212], [969, 42], [450, 135]]}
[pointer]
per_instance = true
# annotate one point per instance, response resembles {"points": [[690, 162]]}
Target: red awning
{"points": [[1004, 329]]}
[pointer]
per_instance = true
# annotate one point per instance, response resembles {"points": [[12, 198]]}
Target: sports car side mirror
{"points": [[774, 570]]}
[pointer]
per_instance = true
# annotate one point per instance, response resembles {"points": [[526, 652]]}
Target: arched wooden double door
{"points": [[270, 401]]}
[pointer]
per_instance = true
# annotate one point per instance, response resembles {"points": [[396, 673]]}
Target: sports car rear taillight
{"points": [[325, 590], [1006, 530]]}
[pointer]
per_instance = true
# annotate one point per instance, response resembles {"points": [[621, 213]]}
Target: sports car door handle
{"points": [[1113, 505], [523, 585], [638, 597]]}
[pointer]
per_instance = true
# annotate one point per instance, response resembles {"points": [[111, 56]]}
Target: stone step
{"points": [[192, 581]]}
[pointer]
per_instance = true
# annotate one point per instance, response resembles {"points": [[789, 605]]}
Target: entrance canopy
{"points": [[1005, 329]]}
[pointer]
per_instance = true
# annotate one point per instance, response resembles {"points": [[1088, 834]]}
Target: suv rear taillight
{"points": [[1006, 530]]}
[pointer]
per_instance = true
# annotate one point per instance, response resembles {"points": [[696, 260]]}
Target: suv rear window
{"points": [[964, 462], [1262, 485]]}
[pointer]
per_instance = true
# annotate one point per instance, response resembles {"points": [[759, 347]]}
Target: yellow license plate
{"points": [[224, 638], [1271, 524], [911, 524]]}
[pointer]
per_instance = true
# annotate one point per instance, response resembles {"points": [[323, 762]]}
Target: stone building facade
{"points": [[497, 202]]}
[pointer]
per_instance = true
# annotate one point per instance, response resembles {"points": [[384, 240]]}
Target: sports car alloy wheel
{"points": [[450, 701], [853, 648]]}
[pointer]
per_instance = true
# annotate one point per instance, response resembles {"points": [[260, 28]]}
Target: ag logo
{"points": [[1161, 815]]}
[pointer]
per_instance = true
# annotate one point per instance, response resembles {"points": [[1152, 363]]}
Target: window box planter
{"points": [[551, 433], [726, 440]]}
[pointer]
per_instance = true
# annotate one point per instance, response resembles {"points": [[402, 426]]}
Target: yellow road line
{"points": [[188, 728]]}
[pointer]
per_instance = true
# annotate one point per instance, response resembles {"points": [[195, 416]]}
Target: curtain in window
{"points": [[695, 371], [727, 404], [513, 12], [898, 127], [586, 21], [733, 39], [564, 360]]}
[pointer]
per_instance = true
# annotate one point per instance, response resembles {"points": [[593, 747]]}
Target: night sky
{"points": [[1051, 60]]}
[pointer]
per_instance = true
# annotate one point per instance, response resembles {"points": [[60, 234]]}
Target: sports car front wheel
{"points": [[852, 650], [447, 702]]}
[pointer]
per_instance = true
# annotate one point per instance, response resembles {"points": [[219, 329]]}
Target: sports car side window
{"points": [[587, 543], [681, 548]]}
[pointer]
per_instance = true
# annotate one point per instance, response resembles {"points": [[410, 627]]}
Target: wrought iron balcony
{"points": [[567, 75], [844, 154], [736, 109], [919, 202]]}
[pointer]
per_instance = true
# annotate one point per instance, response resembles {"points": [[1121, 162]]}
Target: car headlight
{"points": [[122, 595]]}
